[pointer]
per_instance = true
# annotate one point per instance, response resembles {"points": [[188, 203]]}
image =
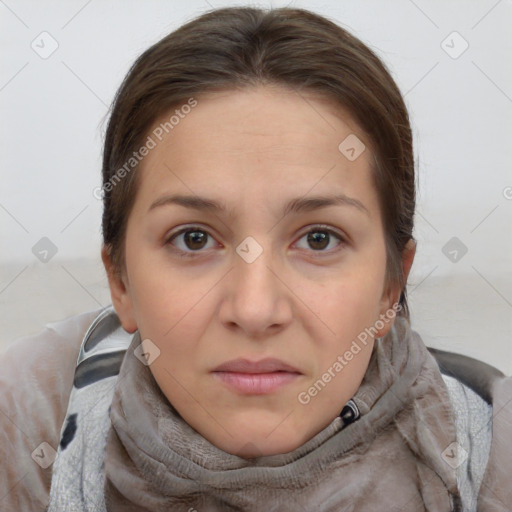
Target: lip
{"points": [[267, 365], [258, 377]]}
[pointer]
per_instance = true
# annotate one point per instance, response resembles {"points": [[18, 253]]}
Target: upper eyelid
{"points": [[181, 231], [319, 227]]}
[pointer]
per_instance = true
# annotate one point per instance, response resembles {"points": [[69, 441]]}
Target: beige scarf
{"points": [[390, 459]]}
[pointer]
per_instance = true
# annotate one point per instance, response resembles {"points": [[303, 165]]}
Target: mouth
{"points": [[256, 378]]}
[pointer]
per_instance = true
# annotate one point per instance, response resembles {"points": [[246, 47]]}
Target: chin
{"points": [[260, 442], [252, 451]]}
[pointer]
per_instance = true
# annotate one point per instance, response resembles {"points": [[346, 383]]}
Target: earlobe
{"points": [[408, 257], [391, 298], [387, 313], [120, 294]]}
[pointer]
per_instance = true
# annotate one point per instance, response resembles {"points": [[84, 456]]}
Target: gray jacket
{"points": [[47, 380]]}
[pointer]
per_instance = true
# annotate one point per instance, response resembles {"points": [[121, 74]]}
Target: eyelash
{"points": [[313, 229]]}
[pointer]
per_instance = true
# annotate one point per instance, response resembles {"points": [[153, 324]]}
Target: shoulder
{"points": [[76, 480], [496, 491], [36, 377], [481, 396], [473, 373], [473, 421]]}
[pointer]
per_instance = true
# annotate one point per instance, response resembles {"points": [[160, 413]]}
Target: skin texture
{"points": [[298, 301]]}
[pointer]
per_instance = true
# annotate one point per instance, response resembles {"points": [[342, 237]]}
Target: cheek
{"points": [[349, 310], [172, 319], [353, 299], [165, 301], [350, 314], [164, 305]]}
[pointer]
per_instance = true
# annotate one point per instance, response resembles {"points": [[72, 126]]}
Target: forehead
{"points": [[264, 139]]}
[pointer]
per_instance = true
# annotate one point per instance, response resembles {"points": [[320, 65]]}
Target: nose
{"points": [[256, 299]]}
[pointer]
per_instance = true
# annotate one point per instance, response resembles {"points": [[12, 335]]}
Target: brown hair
{"points": [[239, 47]]}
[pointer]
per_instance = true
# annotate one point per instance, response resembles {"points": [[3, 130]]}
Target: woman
{"points": [[258, 188]]}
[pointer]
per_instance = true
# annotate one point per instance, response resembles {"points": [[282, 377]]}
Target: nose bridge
{"points": [[257, 299], [252, 262]]}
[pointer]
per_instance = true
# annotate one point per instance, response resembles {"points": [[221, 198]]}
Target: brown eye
{"points": [[195, 239], [188, 241], [321, 240], [318, 240]]}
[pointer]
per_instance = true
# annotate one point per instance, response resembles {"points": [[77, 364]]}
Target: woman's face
{"points": [[255, 258]]}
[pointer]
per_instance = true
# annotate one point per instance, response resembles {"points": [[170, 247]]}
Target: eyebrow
{"points": [[296, 205]]}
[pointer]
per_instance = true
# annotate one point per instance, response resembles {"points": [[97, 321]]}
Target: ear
{"points": [[391, 296], [408, 257], [120, 294]]}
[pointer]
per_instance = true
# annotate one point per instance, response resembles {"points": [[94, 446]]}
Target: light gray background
{"points": [[53, 114]]}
